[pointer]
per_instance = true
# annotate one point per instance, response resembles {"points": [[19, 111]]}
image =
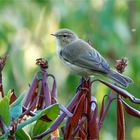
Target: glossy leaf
{"points": [[16, 107], [46, 111], [4, 110], [3, 127], [22, 135], [3, 137], [41, 125]]}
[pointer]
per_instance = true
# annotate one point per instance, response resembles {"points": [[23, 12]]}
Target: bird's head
{"points": [[65, 37]]}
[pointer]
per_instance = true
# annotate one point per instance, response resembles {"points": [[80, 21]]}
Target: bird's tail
{"points": [[119, 78]]}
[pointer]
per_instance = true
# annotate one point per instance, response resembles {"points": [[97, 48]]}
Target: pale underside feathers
{"points": [[82, 58]]}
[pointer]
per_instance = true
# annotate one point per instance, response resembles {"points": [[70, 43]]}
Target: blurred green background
{"points": [[113, 27]]}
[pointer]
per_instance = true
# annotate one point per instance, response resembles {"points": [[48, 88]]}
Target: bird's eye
{"points": [[64, 36]]}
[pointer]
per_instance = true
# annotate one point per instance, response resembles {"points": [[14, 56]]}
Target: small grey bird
{"points": [[83, 59]]}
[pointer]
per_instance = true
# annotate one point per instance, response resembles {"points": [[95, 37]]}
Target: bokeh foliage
{"points": [[111, 25]]}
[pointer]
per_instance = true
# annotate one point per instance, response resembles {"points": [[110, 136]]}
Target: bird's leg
{"points": [[82, 83], [86, 79]]}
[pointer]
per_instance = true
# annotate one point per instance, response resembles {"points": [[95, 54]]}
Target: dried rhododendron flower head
{"points": [[42, 63], [121, 64]]}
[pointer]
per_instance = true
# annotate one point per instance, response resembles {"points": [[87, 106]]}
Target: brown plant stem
{"points": [[110, 98], [94, 122], [130, 110], [88, 108], [41, 98], [73, 121], [31, 113], [31, 91], [1, 90], [31, 108], [79, 126], [46, 90], [54, 90], [12, 97], [120, 120], [120, 91], [59, 119]]}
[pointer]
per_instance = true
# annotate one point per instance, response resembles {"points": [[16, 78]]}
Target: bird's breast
{"points": [[76, 69]]}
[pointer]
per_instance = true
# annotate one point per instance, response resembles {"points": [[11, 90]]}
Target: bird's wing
{"points": [[82, 54]]}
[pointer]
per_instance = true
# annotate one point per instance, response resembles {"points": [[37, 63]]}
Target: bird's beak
{"points": [[53, 35]]}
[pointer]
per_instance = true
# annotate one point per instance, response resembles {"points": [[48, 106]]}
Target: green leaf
{"points": [[9, 94], [41, 125], [22, 135], [51, 108], [3, 137], [4, 110], [16, 107]]}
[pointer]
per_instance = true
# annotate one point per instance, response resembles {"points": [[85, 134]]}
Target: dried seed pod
{"points": [[121, 64]]}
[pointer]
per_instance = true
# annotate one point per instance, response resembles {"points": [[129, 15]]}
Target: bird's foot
{"points": [[82, 83]]}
